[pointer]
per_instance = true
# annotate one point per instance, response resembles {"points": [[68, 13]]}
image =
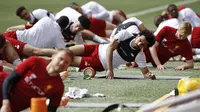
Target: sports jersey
{"points": [[117, 59], [169, 46], [38, 14], [170, 22], [35, 82], [131, 25], [190, 16], [46, 33]]}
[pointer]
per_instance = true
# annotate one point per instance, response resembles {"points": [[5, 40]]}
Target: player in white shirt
{"points": [[34, 16], [125, 47], [46, 33], [79, 37], [129, 25], [96, 10], [160, 22], [185, 14]]}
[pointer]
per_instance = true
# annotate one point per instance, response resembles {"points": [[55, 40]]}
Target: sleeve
{"points": [[122, 35], [161, 34], [141, 59], [187, 50], [191, 17], [26, 65], [56, 96], [102, 12]]}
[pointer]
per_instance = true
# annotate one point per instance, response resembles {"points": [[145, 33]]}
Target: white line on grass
{"points": [[159, 8]]}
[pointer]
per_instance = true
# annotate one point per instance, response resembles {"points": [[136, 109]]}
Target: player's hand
{"points": [[161, 67], [150, 75], [6, 106], [180, 68], [110, 74]]}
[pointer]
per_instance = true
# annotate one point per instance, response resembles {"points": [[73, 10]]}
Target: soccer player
{"points": [[47, 33], [160, 22], [35, 77], [34, 16], [23, 50], [185, 14], [125, 47], [171, 42], [96, 10], [96, 26]]}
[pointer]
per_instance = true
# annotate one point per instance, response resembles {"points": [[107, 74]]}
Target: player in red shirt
{"points": [[35, 77], [171, 42]]}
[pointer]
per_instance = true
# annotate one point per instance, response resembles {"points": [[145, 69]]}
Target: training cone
{"points": [[89, 73], [38, 104]]}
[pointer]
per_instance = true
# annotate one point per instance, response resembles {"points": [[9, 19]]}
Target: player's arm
{"points": [[109, 56], [19, 27], [6, 87], [155, 56], [11, 54], [188, 64]]}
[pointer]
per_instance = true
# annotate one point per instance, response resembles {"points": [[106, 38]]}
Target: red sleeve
{"points": [[1, 68], [162, 34], [56, 97], [181, 7], [26, 65], [27, 26], [187, 50]]}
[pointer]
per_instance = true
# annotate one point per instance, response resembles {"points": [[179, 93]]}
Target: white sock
{"points": [[17, 62], [197, 51], [98, 39]]}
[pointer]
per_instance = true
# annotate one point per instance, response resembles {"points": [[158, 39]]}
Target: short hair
{"points": [[149, 37], [63, 21], [19, 10], [84, 21], [186, 27], [171, 5], [2, 40], [157, 20], [72, 4]]}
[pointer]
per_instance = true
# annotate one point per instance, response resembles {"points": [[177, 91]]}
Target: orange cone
{"points": [[38, 104]]}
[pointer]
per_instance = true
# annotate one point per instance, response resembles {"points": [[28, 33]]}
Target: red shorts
{"points": [[90, 58], [98, 26], [195, 41], [18, 45], [11, 34]]}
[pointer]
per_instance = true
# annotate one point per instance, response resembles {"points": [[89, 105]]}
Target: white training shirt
{"points": [[39, 14], [46, 33], [190, 16], [97, 11], [132, 29], [117, 60], [174, 23], [72, 14]]}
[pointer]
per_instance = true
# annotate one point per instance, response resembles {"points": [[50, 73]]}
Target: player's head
{"points": [[82, 23], [183, 30], [63, 22], [60, 61], [76, 7], [2, 43], [172, 10], [23, 13], [157, 20], [144, 39]]}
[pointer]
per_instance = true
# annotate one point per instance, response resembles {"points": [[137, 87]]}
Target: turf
{"points": [[118, 90]]}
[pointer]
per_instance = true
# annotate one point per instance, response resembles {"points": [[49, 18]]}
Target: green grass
{"points": [[118, 90]]}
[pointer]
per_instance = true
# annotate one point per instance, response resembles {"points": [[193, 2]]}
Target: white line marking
{"points": [[159, 8]]}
